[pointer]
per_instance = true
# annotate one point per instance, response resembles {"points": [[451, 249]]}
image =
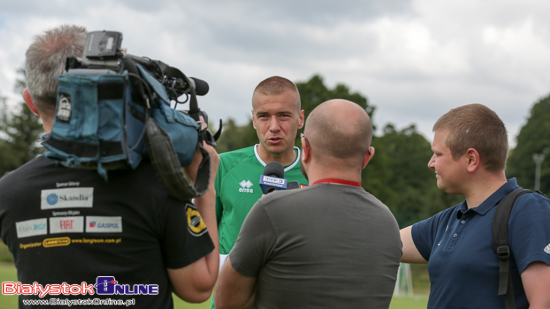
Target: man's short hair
{"points": [[276, 85], [476, 126], [45, 61]]}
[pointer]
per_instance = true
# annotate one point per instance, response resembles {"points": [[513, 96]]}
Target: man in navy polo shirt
{"points": [[470, 148]]}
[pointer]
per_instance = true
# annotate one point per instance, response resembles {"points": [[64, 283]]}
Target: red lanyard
{"points": [[339, 181]]}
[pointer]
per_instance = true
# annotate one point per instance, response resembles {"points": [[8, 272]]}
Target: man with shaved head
{"points": [[330, 245], [277, 116]]}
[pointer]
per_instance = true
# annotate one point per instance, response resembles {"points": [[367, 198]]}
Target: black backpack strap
{"points": [[501, 244]]}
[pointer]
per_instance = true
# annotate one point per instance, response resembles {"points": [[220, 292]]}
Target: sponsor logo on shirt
{"points": [[67, 198], [66, 225], [31, 227], [547, 249], [96, 224], [195, 224], [245, 186], [56, 242]]}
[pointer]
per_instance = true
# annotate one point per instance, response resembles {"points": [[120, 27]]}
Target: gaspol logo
{"points": [[52, 199]]}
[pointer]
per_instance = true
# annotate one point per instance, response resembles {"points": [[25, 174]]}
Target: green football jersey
{"points": [[238, 189]]}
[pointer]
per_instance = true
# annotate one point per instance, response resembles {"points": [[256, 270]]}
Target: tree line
{"points": [[398, 174]]}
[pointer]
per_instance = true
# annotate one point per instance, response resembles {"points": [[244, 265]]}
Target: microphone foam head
{"points": [[274, 169]]}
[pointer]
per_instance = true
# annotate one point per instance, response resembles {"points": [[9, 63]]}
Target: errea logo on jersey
{"points": [[245, 186]]}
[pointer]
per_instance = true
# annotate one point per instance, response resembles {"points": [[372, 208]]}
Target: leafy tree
{"points": [[19, 132], [314, 92], [533, 138], [398, 175], [236, 137]]}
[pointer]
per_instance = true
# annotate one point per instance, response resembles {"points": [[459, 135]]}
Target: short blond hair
{"points": [[276, 85]]}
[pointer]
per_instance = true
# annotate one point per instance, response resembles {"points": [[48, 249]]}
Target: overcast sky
{"points": [[413, 60]]}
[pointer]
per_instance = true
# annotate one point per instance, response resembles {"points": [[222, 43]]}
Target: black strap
{"points": [[168, 168], [501, 244]]}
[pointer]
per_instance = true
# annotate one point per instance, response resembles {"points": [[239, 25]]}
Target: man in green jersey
{"points": [[277, 116]]}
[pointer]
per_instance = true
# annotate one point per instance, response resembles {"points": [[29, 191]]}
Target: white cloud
{"points": [[414, 60]]}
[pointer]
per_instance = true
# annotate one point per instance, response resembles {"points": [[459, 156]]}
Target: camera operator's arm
{"points": [[194, 283]]}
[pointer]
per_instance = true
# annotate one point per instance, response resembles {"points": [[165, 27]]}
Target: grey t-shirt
{"points": [[324, 246]]}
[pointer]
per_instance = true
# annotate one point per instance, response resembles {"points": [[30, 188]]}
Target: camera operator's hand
{"points": [[191, 170]]}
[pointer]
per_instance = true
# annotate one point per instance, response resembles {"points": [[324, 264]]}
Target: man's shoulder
{"points": [[240, 156], [24, 170], [441, 218], [531, 204], [239, 153]]}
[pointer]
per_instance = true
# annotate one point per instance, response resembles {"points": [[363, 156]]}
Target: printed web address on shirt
{"points": [[79, 302]]}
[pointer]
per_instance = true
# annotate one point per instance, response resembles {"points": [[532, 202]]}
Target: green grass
{"points": [[421, 285], [417, 302], [8, 273]]}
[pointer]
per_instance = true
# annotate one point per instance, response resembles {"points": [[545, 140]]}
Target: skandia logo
{"points": [[245, 186], [67, 198], [52, 199], [107, 285], [80, 197]]}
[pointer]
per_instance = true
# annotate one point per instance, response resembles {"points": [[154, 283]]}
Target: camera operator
{"points": [[68, 225]]}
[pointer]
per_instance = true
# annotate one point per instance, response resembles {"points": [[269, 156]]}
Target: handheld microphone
{"points": [[273, 178]]}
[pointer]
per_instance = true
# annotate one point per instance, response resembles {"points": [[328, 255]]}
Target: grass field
{"points": [[419, 274], [8, 273]]}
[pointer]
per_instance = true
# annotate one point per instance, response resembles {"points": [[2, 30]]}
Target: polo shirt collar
{"points": [[492, 200]]}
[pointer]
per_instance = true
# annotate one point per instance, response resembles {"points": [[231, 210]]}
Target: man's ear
{"points": [[301, 119], [28, 100], [473, 160], [368, 157], [306, 154], [253, 119]]}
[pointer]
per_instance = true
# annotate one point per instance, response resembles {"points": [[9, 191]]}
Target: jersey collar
{"points": [[288, 168]]}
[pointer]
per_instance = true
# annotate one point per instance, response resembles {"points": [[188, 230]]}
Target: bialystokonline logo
{"points": [[105, 285]]}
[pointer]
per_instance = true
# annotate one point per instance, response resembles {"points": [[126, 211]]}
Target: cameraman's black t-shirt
{"points": [[66, 225]]}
